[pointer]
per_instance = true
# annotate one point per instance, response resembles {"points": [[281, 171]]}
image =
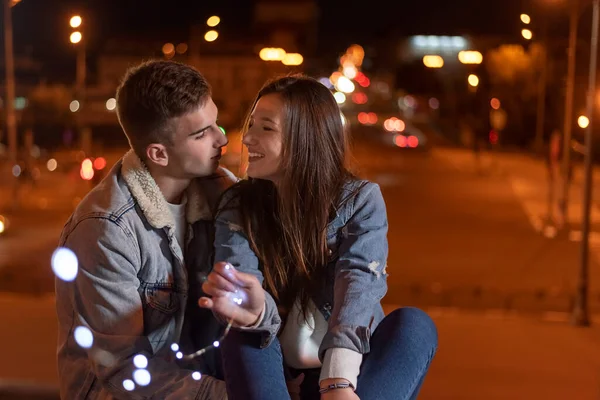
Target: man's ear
{"points": [[157, 153]]}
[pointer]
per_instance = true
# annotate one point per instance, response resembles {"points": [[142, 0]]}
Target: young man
{"points": [[131, 235]]}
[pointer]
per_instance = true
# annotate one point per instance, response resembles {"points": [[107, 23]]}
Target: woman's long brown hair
{"points": [[287, 225]]}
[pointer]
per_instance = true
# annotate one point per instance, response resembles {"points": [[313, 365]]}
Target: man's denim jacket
{"points": [[132, 286], [356, 272]]}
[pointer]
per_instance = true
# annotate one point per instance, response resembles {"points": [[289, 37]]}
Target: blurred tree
{"points": [[514, 73]]}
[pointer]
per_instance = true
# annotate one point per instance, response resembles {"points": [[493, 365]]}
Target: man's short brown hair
{"points": [[151, 95]]}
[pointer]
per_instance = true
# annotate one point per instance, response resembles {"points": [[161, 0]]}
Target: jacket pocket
{"points": [[161, 302]]}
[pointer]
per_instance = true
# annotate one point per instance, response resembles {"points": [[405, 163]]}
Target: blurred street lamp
{"points": [[211, 36], [345, 85], [181, 48], [526, 19], [213, 21], [76, 37], [292, 59], [581, 312], [433, 61], [75, 21], [74, 106], [9, 69], [583, 121], [470, 57], [272, 54], [527, 34], [473, 80], [111, 104]]}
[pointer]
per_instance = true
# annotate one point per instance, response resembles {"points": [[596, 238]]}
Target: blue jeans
{"points": [[402, 348]]}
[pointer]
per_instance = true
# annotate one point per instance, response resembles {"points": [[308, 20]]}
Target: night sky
{"points": [[41, 26]]}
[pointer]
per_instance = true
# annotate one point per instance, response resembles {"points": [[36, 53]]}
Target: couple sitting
{"points": [[287, 267]]}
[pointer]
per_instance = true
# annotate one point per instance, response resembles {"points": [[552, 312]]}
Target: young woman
{"points": [[314, 237]]}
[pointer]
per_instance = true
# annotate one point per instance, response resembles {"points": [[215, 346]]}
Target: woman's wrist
{"points": [[327, 385]]}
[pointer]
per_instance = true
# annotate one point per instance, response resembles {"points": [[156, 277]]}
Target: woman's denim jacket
{"points": [[356, 272]]}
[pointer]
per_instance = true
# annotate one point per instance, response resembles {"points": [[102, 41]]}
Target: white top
{"points": [[301, 338], [178, 211]]}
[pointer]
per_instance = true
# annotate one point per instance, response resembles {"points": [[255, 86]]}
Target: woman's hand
{"points": [[337, 394], [234, 295]]}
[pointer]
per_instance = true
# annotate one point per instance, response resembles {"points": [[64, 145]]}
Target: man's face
{"points": [[196, 143]]}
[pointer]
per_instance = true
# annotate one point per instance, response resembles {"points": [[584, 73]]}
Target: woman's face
{"points": [[264, 138]]}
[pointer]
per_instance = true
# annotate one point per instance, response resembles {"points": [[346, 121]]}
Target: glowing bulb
{"points": [[196, 375], [216, 343], [140, 361], [179, 355], [64, 264], [175, 347], [141, 377], [83, 337], [128, 385]]}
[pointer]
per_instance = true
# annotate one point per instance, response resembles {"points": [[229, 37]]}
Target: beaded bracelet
{"points": [[334, 386]]}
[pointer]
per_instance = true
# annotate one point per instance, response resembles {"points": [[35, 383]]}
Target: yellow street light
{"points": [[470, 57], [211, 36], [583, 121], [75, 21], [292, 59], [272, 54], [76, 37], [526, 19], [433, 61], [527, 34], [213, 21], [473, 80]]}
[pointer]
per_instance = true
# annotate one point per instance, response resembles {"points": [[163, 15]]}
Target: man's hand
{"points": [[234, 295]]}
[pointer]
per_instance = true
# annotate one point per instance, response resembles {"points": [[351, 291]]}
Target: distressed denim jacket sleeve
{"points": [[232, 246], [105, 299], [360, 273]]}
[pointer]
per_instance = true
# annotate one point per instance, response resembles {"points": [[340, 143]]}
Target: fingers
{"points": [[205, 302], [210, 289], [220, 282], [239, 279]]}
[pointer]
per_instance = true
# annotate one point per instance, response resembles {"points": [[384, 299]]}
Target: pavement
{"points": [[462, 246], [480, 356]]}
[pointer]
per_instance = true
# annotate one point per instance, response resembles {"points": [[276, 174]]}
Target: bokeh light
{"points": [[211, 36], [64, 264], [140, 361], [339, 97], [142, 377], [83, 337], [111, 104], [52, 164], [196, 375], [128, 385], [74, 106]]}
